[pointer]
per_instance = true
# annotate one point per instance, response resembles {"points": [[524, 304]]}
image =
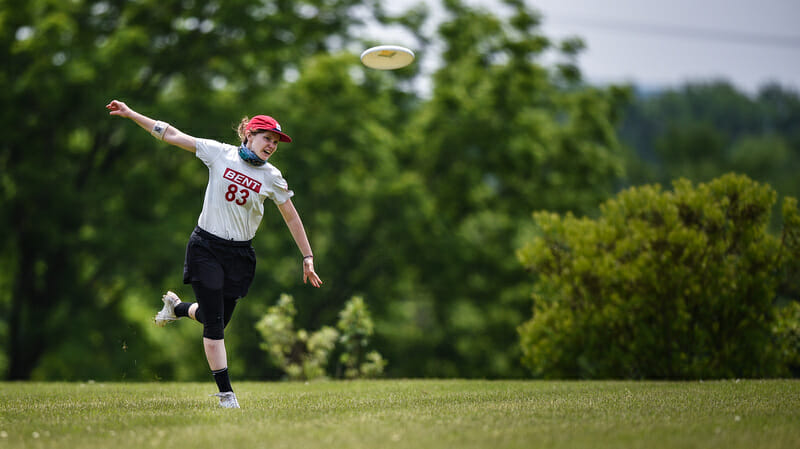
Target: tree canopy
{"points": [[663, 284], [415, 201]]}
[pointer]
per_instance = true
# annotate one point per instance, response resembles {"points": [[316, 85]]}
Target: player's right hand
{"points": [[117, 107]]}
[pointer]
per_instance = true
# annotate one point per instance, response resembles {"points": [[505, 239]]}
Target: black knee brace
{"points": [[230, 304], [210, 302]]}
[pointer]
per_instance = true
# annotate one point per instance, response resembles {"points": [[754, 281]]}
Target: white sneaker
{"points": [[227, 399], [167, 313]]}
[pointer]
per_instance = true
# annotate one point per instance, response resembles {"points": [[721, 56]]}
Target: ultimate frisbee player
{"points": [[220, 260]]}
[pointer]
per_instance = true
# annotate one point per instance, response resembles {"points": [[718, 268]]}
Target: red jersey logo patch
{"points": [[242, 180]]}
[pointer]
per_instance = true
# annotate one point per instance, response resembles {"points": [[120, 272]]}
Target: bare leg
{"points": [[215, 349], [192, 311], [217, 358], [215, 353]]}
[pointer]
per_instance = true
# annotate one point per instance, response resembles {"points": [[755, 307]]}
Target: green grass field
{"points": [[404, 414]]}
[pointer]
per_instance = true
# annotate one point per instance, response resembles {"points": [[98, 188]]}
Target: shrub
{"points": [[356, 326], [304, 356], [662, 284], [787, 337]]}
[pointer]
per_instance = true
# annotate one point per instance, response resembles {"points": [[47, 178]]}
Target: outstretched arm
{"points": [[292, 219], [172, 135]]}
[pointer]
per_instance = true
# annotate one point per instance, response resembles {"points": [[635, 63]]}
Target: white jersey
{"points": [[234, 201]]}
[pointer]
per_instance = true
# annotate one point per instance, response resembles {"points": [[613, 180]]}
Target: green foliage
{"points": [[501, 135], [277, 328], [663, 284], [790, 237], [300, 354], [114, 229], [356, 326], [373, 366], [787, 325], [304, 356], [703, 130], [419, 200], [787, 336]]}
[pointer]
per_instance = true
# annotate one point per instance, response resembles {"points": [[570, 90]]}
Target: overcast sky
{"points": [[665, 43]]}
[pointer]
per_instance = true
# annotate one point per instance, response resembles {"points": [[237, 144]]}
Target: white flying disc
{"points": [[387, 57]]}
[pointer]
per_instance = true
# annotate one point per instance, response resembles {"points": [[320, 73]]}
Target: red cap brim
{"points": [[284, 137]]}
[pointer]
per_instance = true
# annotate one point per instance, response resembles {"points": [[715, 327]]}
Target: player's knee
{"points": [[214, 329]]}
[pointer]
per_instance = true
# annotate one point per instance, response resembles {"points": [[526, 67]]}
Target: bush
{"points": [[304, 356], [668, 285], [356, 326], [787, 337]]}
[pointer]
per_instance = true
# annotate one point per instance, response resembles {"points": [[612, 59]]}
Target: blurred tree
{"points": [[83, 195], [416, 204], [502, 135], [703, 130], [366, 216]]}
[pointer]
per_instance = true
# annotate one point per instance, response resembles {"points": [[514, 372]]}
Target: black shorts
{"points": [[219, 264]]}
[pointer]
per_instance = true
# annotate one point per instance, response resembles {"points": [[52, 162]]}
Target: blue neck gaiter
{"points": [[250, 157]]}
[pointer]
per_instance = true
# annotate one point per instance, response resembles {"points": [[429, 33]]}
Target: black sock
{"points": [[222, 379], [182, 309]]}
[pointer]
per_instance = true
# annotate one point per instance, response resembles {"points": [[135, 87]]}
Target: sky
{"points": [[656, 44]]}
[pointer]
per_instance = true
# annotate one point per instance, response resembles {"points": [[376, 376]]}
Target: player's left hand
{"points": [[309, 274]]}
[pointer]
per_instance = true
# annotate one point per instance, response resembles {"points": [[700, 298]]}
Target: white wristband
{"points": [[159, 129]]}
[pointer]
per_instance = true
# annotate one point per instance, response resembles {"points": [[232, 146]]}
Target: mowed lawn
{"points": [[404, 414]]}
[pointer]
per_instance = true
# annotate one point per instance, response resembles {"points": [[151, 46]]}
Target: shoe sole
{"points": [[161, 322], [163, 317]]}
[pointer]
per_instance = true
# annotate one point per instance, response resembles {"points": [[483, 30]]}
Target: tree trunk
{"points": [[25, 333]]}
